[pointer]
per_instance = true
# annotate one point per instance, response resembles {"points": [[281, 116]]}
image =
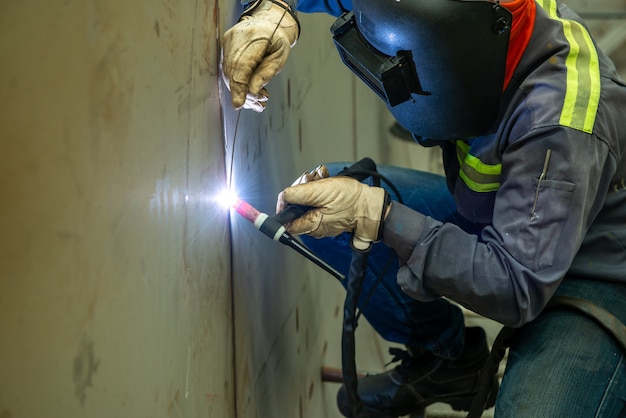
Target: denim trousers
{"points": [[564, 364], [560, 365]]}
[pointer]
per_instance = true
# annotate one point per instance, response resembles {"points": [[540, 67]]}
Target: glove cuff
{"points": [[369, 211], [364, 244], [250, 8]]}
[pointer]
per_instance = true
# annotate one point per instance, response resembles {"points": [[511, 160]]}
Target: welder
{"points": [[531, 213]]}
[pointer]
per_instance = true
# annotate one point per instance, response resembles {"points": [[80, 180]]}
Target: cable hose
{"points": [[358, 265]]}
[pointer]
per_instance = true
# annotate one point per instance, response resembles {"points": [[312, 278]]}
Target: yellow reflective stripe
{"points": [[583, 70], [482, 168], [478, 187], [594, 82], [462, 146], [571, 92], [549, 6], [477, 175]]}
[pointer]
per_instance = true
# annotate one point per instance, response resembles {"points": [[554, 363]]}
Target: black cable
{"points": [[356, 274], [358, 265], [370, 293], [376, 176]]}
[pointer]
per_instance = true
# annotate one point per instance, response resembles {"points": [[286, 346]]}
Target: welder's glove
{"points": [[341, 204], [319, 172], [256, 49]]}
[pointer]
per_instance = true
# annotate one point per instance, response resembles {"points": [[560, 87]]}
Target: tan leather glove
{"points": [[255, 50], [319, 172], [342, 204]]}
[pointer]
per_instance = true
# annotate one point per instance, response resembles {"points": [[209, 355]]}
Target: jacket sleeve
{"points": [[511, 270], [332, 7]]}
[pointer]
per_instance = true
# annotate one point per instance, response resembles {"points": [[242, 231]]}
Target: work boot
{"points": [[423, 379]]}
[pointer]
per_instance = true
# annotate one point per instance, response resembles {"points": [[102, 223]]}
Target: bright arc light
{"points": [[227, 198]]}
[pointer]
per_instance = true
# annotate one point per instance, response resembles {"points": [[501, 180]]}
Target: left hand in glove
{"points": [[340, 204], [256, 49]]}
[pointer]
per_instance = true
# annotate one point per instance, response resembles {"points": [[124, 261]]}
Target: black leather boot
{"points": [[421, 380]]}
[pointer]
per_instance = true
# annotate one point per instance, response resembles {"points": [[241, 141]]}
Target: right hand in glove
{"points": [[255, 50], [340, 204]]}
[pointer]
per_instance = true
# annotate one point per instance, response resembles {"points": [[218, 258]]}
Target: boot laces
{"points": [[411, 369], [407, 362], [399, 355]]}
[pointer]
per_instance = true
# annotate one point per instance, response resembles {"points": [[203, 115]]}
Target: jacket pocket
{"points": [[546, 219]]}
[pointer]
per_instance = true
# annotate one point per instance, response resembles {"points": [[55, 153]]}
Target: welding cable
{"points": [[358, 266], [351, 311], [376, 177]]}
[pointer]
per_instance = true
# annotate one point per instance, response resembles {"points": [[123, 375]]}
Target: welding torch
{"points": [[276, 231], [273, 226]]}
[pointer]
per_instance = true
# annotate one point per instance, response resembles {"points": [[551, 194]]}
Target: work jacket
{"points": [[546, 189]]}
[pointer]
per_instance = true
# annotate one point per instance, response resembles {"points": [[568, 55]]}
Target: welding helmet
{"points": [[438, 64]]}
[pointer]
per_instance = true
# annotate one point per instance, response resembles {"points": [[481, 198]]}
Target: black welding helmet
{"points": [[438, 64]]}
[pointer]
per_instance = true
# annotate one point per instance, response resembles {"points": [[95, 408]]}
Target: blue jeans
{"points": [[563, 364], [560, 365]]}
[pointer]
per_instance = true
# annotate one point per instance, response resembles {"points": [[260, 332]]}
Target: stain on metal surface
{"points": [[173, 408], [297, 320], [84, 368]]}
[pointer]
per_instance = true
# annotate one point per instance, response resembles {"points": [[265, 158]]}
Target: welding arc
{"points": [[276, 231]]}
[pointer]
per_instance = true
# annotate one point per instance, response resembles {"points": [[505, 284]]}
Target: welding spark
{"points": [[227, 198]]}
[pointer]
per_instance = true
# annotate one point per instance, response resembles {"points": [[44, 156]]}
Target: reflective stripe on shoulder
{"points": [[477, 175], [583, 73]]}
